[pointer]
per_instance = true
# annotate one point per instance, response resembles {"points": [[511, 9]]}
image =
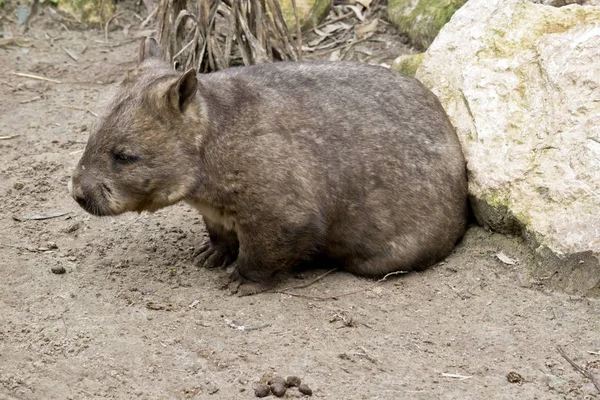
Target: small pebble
{"points": [[278, 389], [261, 390], [292, 381], [514, 377], [58, 270], [73, 227], [304, 389]]}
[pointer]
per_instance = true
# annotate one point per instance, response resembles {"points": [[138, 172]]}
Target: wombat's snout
{"points": [[90, 193], [76, 192]]}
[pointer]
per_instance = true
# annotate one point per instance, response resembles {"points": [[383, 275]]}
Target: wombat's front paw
{"points": [[238, 285], [212, 256]]}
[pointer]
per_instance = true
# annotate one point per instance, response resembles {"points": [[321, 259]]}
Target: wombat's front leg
{"points": [[264, 252], [242, 286], [220, 250], [254, 269]]}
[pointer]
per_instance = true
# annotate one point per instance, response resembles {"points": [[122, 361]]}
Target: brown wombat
{"points": [[285, 162]]}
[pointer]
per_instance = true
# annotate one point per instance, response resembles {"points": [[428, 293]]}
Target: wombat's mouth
{"points": [[101, 199], [93, 203], [94, 207], [106, 204]]}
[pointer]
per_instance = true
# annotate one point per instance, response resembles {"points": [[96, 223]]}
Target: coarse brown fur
{"points": [[285, 162]]}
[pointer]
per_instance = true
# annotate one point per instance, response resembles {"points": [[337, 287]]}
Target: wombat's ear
{"points": [[149, 48], [182, 92]]}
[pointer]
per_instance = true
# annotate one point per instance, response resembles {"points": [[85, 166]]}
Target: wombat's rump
{"points": [[285, 161]]}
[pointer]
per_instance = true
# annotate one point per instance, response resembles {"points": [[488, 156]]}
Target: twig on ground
{"points": [[456, 376], [458, 292], [30, 249], [298, 31], [352, 44], [334, 46], [335, 297], [40, 78], [136, 39], [9, 136], [306, 296], [149, 18], [318, 278], [14, 246], [73, 56], [579, 369], [341, 17], [33, 11], [108, 23], [239, 327], [40, 217], [30, 100], [13, 42], [364, 354], [83, 109]]}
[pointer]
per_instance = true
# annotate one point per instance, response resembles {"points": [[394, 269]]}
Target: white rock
{"points": [[521, 83]]}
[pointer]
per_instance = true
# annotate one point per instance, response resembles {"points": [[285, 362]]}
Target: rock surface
{"points": [[310, 12], [421, 20], [408, 64], [521, 83], [90, 11]]}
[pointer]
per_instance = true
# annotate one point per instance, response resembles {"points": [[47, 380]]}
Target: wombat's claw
{"points": [[210, 256], [201, 254], [240, 286]]}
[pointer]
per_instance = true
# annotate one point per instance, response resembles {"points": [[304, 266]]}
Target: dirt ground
{"points": [[133, 318]]}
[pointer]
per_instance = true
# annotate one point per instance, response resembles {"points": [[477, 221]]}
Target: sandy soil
{"points": [[132, 317]]}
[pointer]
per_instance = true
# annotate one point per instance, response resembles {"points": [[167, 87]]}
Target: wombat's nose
{"points": [[76, 193], [80, 199]]}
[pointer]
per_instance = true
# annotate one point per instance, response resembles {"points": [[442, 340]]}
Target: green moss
{"points": [[310, 13], [90, 11], [423, 22], [408, 64]]}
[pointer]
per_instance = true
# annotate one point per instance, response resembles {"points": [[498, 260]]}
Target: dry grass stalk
{"points": [[210, 35]]}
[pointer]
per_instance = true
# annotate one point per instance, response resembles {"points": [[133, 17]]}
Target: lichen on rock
{"points": [[421, 20], [89, 11], [408, 64], [310, 12]]}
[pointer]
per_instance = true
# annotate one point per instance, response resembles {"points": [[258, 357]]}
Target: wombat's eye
{"points": [[124, 158]]}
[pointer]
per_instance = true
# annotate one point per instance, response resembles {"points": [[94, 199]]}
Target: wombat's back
{"points": [[349, 104]]}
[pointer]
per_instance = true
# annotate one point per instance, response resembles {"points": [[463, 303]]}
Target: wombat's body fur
{"points": [[284, 161]]}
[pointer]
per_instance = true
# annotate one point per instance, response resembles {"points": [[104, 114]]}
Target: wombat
{"points": [[286, 162]]}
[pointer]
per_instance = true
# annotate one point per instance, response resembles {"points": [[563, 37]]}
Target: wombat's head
{"points": [[142, 155]]}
